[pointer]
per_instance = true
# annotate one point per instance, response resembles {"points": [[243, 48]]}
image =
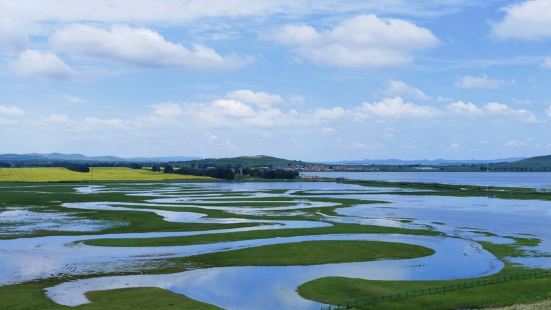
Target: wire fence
{"points": [[373, 300]]}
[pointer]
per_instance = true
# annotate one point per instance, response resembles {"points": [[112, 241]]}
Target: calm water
{"points": [[508, 179]]}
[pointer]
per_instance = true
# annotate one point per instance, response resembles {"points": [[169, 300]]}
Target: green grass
{"points": [[334, 290], [308, 253], [31, 295], [259, 234], [53, 174], [511, 250]]}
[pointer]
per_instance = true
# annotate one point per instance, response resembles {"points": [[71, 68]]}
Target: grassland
{"points": [[336, 290], [309, 253], [54, 174], [31, 296]]}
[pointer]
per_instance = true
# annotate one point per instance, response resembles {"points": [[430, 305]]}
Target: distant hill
{"points": [[59, 157], [246, 161], [426, 162], [537, 162]]}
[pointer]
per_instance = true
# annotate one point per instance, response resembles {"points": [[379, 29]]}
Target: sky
{"points": [[312, 80]]}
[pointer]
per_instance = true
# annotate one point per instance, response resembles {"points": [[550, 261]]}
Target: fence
{"points": [[365, 301]]}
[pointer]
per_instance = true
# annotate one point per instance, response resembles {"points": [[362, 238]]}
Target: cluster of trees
{"points": [[78, 167], [232, 174], [287, 174], [218, 172]]}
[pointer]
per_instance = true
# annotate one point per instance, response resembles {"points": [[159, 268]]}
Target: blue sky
{"points": [[314, 80]]}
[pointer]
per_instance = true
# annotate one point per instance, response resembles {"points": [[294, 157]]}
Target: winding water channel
{"points": [[465, 220]]}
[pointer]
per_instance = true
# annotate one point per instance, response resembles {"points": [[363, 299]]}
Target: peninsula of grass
{"points": [[335, 290], [31, 295], [55, 174], [308, 253], [257, 234]]}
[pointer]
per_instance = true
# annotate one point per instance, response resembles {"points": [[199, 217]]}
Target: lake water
{"points": [[505, 179]]}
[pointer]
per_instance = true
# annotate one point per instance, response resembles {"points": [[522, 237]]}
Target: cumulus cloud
{"points": [[481, 82], [138, 46], [396, 88], [73, 99], [500, 109], [331, 114], [395, 108], [464, 108], [527, 20], [8, 122], [492, 109], [167, 109], [240, 108], [515, 143], [11, 110], [172, 11], [33, 63], [361, 41], [262, 99], [88, 123], [13, 38]]}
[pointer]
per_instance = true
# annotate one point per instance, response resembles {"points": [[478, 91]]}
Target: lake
{"points": [[505, 179]]}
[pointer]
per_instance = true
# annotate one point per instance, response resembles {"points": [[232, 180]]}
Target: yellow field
{"points": [[96, 174]]}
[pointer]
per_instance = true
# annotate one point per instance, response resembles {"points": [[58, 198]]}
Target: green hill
{"points": [[538, 162], [246, 161]]}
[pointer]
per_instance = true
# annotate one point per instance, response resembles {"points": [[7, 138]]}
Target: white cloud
{"points": [[395, 108], [11, 110], [172, 11], [527, 20], [102, 123], [548, 111], [328, 130], [515, 143], [13, 38], [361, 41], [491, 109], [138, 46], [88, 123], [500, 109], [398, 88], [35, 63], [270, 118], [167, 109], [74, 99], [331, 114], [262, 99], [546, 63], [8, 122], [481, 81], [464, 108], [233, 108], [58, 118]]}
